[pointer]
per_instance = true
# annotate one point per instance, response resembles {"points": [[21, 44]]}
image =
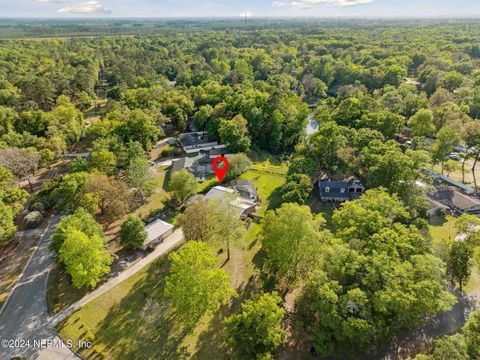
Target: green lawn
{"points": [[268, 186], [443, 232], [115, 324], [119, 331]]}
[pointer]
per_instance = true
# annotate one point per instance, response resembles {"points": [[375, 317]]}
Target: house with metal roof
{"points": [[246, 189], [195, 142], [157, 231], [456, 200], [340, 190], [242, 206]]}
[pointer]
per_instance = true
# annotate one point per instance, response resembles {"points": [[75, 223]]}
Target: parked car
{"points": [[455, 156]]}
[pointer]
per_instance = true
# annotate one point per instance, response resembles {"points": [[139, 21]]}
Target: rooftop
{"points": [[194, 138], [178, 165], [156, 229], [219, 193], [246, 188], [456, 198], [228, 196], [437, 176]]}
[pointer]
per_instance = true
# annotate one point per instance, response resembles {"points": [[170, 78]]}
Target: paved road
{"points": [[171, 242], [24, 315]]}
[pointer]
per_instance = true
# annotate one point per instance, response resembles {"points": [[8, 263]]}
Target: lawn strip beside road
{"points": [[171, 242]]}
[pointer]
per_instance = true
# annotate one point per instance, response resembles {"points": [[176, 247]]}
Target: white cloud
{"points": [[49, 1], [305, 4], [88, 7], [247, 13]]}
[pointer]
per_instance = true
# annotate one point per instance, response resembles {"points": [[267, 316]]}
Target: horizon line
{"points": [[337, 17]]}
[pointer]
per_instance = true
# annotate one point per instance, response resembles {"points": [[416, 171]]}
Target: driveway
{"points": [[171, 242], [24, 329]]}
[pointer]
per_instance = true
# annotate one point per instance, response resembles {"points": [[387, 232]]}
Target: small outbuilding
{"points": [[246, 189], [157, 231]]}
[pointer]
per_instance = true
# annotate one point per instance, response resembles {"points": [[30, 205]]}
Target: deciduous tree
{"points": [[133, 233], [85, 258], [182, 184], [256, 330], [195, 284]]}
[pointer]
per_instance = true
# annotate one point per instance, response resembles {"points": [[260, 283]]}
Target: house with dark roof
{"points": [[246, 189], [340, 190], [201, 164], [435, 207], [459, 202], [195, 142], [213, 153], [178, 164]]}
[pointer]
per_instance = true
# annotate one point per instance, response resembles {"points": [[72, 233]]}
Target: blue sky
{"points": [[232, 8]]}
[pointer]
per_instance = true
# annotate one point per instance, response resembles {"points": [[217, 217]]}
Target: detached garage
{"points": [[157, 231]]}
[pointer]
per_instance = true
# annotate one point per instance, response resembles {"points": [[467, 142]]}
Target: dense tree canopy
{"points": [[345, 306]]}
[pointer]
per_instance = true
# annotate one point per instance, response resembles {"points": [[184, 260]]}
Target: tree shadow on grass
{"points": [[211, 343], [275, 199], [166, 180], [125, 334], [437, 220]]}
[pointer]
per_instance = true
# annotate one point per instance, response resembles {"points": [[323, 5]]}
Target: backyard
{"points": [[443, 231], [114, 320]]}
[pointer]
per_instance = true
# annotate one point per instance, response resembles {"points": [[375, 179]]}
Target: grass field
{"points": [[442, 229], [268, 186], [443, 232], [114, 320]]}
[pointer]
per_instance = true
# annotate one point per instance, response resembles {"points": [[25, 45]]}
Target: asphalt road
{"points": [[24, 326]]}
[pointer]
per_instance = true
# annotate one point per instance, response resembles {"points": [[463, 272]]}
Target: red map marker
{"points": [[220, 171]]}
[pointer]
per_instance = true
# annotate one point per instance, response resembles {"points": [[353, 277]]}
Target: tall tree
{"points": [[291, 241], [459, 263], [182, 184], [21, 162], [111, 196], [133, 233], [140, 178], [447, 139], [256, 330], [235, 133], [195, 284], [213, 222], [238, 164], [80, 220], [422, 123], [85, 258]]}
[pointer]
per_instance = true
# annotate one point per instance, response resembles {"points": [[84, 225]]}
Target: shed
{"points": [[157, 231]]}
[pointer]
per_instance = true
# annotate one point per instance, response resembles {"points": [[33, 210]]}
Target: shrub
{"points": [[33, 219]]}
